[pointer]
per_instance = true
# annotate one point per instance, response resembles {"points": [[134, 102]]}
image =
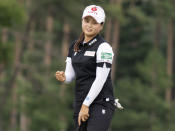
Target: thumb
{"points": [[79, 120]]}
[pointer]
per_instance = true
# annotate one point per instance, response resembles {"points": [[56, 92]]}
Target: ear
{"points": [[101, 26]]}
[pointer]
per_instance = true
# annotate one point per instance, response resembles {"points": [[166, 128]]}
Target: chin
{"points": [[89, 34]]}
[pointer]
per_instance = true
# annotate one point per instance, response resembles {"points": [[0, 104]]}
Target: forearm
{"points": [[101, 76]]}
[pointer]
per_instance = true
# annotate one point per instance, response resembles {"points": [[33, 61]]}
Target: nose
{"points": [[89, 24]]}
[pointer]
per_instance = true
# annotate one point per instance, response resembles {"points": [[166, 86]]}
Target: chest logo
{"points": [[89, 53], [93, 41]]}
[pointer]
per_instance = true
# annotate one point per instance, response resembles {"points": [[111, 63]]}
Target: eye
{"points": [[86, 19], [94, 22]]}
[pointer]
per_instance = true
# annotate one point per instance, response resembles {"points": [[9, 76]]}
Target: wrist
{"points": [[86, 103], [85, 106]]}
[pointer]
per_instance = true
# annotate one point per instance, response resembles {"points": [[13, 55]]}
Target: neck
{"points": [[88, 38]]}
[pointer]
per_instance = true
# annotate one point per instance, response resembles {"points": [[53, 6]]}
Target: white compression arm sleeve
{"points": [[101, 76], [69, 71], [104, 55]]}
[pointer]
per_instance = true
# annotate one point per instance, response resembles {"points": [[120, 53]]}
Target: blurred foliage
{"points": [[141, 76], [6, 50], [11, 13]]}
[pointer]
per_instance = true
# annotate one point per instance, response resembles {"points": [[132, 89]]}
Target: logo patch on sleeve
{"points": [[106, 56]]}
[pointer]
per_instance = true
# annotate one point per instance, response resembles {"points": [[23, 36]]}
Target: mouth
{"points": [[89, 30]]}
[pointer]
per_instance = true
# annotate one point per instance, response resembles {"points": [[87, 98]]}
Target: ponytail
{"points": [[76, 46]]}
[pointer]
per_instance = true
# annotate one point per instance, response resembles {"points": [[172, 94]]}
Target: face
{"points": [[90, 26]]}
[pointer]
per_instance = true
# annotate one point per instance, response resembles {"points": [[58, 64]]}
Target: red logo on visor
{"points": [[94, 9]]}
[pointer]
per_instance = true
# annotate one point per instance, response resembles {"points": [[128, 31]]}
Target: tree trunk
{"points": [[169, 59], [48, 45], [31, 35], [4, 35], [4, 40], [132, 3], [115, 40], [65, 47], [108, 30], [23, 118], [65, 42], [156, 47], [157, 33], [13, 119], [16, 66], [115, 44], [63, 122]]}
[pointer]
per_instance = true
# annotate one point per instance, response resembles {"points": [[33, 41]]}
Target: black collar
{"points": [[91, 42]]}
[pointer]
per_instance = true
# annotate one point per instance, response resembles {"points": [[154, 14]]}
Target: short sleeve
{"points": [[104, 53]]}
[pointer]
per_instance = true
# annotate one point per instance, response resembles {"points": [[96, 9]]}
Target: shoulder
{"points": [[71, 49], [104, 46], [105, 53]]}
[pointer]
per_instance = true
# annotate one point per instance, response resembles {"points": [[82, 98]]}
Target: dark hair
{"points": [[77, 43]]}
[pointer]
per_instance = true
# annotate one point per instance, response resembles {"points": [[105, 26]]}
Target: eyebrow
{"points": [[88, 18]]}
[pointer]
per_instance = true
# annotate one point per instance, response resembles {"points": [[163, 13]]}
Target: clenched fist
{"points": [[60, 76]]}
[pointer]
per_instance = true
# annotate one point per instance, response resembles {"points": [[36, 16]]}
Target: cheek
{"points": [[97, 28], [101, 28], [83, 26]]}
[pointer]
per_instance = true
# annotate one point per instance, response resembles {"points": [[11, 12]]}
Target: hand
{"points": [[60, 76], [83, 114]]}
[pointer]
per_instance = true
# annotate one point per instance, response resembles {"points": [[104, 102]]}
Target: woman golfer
{"points": [[89, 62]]}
